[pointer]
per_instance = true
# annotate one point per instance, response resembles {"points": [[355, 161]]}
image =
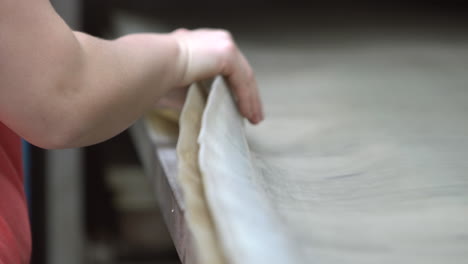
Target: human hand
{"points": [[208, 52], [173, 100]]}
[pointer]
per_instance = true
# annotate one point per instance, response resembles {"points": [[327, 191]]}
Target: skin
{"points": [[62, 89]]}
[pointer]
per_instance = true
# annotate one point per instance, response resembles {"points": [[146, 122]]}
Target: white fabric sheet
{"points": [[362, 157]]}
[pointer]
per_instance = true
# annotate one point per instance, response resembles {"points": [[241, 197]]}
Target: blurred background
{"points": [[95, 205]]}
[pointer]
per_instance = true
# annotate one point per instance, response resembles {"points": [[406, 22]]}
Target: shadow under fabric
{"points": [[362, 159]]}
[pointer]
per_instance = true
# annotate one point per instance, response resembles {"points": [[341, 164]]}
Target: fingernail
{"points": [[258, 118], [250, 114]]}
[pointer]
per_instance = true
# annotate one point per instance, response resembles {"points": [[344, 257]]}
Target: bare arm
{"points": [[60, 88]]}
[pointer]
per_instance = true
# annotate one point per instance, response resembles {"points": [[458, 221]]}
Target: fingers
{"points": [[208, 52], [257, 105], [180, 31], [242, 81]]}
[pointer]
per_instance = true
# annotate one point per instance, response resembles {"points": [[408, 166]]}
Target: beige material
{"points": [[163, 125], [197, 213], [362, 158], [244, 217]]}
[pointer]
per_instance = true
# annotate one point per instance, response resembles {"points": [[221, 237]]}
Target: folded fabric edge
{"points": [[197, 214], [248, 226]]}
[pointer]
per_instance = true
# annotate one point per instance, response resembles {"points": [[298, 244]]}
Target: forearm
{"points": [[120, 81], [67, 89], [60, 88]]}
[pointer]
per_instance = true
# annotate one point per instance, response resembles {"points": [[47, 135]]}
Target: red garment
{"points": [[15, 238]]}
